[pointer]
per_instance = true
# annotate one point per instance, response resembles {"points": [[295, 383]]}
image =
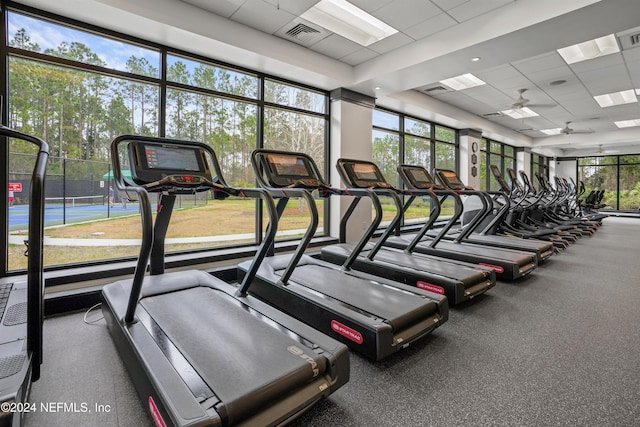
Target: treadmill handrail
{"points": [[477, 219], [500, 214], [303, 189], [380, 187], [35, 263], [148, 236]]}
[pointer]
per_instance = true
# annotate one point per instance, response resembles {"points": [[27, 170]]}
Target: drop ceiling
{"points": [[516, 41]]}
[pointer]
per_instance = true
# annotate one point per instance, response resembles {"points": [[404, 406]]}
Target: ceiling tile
{"points": [[390, 43], [473, 8], [631, 55], [634, 72], [448, 4], [359, 56], [606, 80], [262, 16], [539, 63], [336, 46], [607, 61], [497, 74], [403, 14], [543, 78], [224, 8], [430, 26], [295, 7], [370, 5]]}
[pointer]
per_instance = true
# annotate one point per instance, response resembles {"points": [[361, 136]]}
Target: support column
{"points": [[470, 157], [523, 160], [351, 133]]}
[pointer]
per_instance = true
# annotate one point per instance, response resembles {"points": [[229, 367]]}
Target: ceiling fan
{"points": [[569, 131], [601, 151], [522, 102]]}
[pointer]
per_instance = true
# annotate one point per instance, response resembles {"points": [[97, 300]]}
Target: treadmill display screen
{"points": [[365, 172], [420, 177], [290, 166], [178, 159], [452, 179]]}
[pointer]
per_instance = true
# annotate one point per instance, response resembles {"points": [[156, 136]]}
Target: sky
{"points": [[114, 53]]}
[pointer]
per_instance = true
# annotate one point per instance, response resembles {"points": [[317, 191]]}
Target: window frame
{"points": [[164, 85]]}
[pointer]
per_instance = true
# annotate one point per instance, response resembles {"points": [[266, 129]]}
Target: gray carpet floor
{"points": [[559, 348]]}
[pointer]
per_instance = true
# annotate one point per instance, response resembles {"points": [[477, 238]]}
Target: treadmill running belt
{"points": [[248, 361], [446, 267], [377, 300]]}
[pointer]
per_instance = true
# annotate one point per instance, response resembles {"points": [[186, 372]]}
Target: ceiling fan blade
{"points": [[581, 131], [542, 105]]}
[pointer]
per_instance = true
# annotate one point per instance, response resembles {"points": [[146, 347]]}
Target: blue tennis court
{"points": [[56, 214]]}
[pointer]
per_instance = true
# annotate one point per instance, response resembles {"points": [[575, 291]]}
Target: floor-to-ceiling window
{"points": [[78, 87], [498, 154], [540, 166], [617, 177], [398, 138]]}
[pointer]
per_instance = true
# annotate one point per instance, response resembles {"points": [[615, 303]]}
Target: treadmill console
{"points": [[283, 169], [498, 176], [361, 174], [514, 180], [450, 179], [179, 165], [417, 178]]}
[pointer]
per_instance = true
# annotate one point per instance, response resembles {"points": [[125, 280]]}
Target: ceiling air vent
{"points": [[302, 32], [496, 114], [629, 39], [435, 89]]}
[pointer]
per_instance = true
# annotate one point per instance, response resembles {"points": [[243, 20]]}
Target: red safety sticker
{"points": [[155, 414], [496, 268], [431, 288], [347, 332]]}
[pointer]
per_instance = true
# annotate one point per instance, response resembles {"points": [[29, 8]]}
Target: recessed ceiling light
{"points": [[349, 21], [554, 131], [628, 123], [616, 98], [476, 59], [590, 49], [520, 113], [462, 82], [557, 82], [378, 88]]}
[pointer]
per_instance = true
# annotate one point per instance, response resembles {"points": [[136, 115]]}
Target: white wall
{"points": [[566, 169], [351, 134]]}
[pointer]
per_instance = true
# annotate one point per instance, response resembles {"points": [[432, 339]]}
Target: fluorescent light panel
{"points": [[554, 131], [590, 49], [520, 113], [628, 123], [616, 98], [349, 21], [464, 81]]}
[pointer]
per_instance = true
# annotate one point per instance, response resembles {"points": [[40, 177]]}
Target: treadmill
{"points": [[459, 281], [372, 315], [21, 302], [201, 351], [508, 264], [418, 177], [510, 221]]}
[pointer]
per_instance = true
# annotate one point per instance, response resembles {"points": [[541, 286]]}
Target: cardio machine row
{"points": [[190, 340], [264, 348]]}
